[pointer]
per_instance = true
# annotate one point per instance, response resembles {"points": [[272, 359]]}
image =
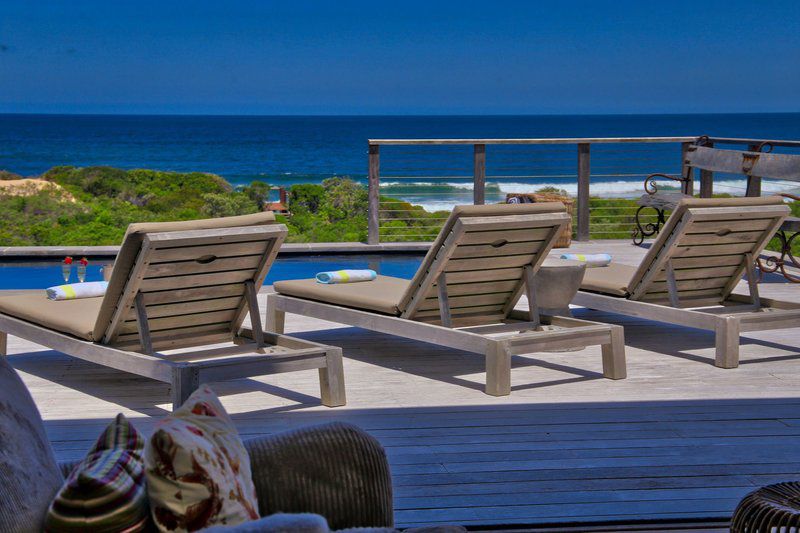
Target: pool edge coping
{"points": [[22, 252], [294, 248]]}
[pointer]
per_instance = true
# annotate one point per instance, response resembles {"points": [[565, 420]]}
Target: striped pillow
{"points": [[106, 491]]}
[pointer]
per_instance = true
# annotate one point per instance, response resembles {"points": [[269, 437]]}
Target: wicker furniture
{"points": [[565, 236], [771, 508], [333, 470]]}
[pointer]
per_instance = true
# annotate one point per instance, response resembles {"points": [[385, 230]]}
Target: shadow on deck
{"points": [[566, 447], [558, 462]]}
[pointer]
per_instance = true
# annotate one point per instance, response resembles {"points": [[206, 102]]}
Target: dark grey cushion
{"points": [[29, 475], [278, 523], [334, 470]]}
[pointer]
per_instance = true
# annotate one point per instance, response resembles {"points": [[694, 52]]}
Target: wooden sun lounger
{"points": [[464, 293], [688, 275], [176, 286]]}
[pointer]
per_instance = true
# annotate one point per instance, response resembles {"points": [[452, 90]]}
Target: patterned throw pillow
{"points": [[106, 491], [198, 471]]}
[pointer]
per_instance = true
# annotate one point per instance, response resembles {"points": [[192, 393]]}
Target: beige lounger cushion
{"points": [[382, 294], [613, 279], [132, 243], [460, 211], [74, 317]]}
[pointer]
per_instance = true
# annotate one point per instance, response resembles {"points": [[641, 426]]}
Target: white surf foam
{"points": [[603, 189]]}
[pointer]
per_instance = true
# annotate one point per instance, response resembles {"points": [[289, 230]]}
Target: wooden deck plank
{"points": [[678, 439], [571, 497], [568, 477], [712, 507], [405, 493]]}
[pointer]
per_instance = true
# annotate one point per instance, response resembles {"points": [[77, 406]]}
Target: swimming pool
{"points": [[43, 274]]}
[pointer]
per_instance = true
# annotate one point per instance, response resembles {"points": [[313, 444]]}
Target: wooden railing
{"points": [[582, 173], [583, 147], [753, 145]]}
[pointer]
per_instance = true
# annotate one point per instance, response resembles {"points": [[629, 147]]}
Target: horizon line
{"points": [[398, 115]]}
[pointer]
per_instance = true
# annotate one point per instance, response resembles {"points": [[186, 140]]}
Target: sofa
{"points": [[320, 478]]}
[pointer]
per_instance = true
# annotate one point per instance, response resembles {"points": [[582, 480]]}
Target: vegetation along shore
{"points": [[92, 206]]}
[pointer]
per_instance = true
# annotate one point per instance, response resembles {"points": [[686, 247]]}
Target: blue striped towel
{"points": [[346, 276], [591, 260], [74, 291]]}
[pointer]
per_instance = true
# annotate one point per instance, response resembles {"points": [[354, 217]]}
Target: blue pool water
{"points": [[16, 275], [298, 267], [41, 275]]}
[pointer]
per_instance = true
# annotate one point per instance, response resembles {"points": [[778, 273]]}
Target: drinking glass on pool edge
{"points": [[66, 269], [82, 264]]}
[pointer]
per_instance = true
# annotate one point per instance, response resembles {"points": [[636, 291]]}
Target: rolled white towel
{"points": [[591, 260], [345, 276], [73, 291]]}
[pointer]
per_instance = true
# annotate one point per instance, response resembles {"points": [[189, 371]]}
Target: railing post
{"points": [[479, 174], [753, 182], [687, 172], [707, 180], [584, 170], [373, 220]]}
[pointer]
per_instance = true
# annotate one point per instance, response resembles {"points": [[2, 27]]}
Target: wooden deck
{"points": [[679, 439]]}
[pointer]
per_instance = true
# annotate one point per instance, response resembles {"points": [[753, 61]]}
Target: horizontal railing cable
{"points": [[602, 178]]}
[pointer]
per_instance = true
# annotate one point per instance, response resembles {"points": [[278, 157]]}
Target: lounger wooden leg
{"points": [[614, 366], [727, 330], [498, 370], [3, 343], [331, 379], [251, 295], [185, 380], [274, 319]]}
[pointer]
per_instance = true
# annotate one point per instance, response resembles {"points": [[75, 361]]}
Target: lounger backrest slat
{"points": [[482, 259], [192, 285], [708, 249]]}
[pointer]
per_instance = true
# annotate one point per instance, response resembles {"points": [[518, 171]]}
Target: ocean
{"points": [[283, 150]]}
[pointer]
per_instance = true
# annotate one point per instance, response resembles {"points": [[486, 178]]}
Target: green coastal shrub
{"points": [[228, 205], [95, 205], [258, 192], [98, 203], [335, 211], [5, 175], [305, 198]]}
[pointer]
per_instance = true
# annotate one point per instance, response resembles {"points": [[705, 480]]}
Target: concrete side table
{"points": [[557, 282]]}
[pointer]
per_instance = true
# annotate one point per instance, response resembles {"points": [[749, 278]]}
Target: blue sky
{"points": [[409, 57]]}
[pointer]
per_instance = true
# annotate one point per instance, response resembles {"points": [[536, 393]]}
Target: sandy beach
{"points": [[30, 186]]}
